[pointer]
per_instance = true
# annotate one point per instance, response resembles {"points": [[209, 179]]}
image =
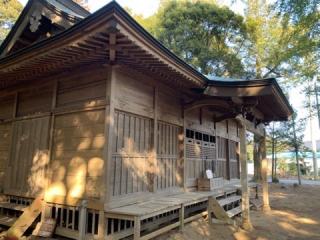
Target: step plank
{"points": [[233, 212], [228, 200], [13, 206], [256, 203], [7, 221]]}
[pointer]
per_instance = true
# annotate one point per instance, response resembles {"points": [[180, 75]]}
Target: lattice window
{"points": [[200, 153]]}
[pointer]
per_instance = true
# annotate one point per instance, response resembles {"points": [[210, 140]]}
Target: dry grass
{"points": [[295, 215]]}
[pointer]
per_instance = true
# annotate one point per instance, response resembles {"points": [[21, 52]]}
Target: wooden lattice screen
{"points": [[200, 153]]}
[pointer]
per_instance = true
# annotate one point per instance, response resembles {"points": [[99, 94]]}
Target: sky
{"points": [[144, 7], [149, 7]]}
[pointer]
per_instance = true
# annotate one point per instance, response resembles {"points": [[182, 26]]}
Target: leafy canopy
{"points": [[9, 12], [205, 35]]}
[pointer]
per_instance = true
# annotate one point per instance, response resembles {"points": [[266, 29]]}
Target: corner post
{"points": [[83, 219], [246, 222], [264, 176], [153, 163]]}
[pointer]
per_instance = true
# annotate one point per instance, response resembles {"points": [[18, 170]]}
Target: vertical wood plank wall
{"points": [[77, 161], [78, 118], [133, 159], [5, 143], [130, 154], [28, 156], [24, 160], [167, 172]]}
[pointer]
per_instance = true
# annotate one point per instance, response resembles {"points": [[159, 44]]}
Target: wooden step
{"points": [[256, 203], [13, 206], [228, 200], [26, 219], [7, 221], [231, 191], [233, 212]]}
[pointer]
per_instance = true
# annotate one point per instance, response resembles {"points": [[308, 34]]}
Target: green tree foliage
{"points": [[276, 41], [205, 35], [304, 18], [9, 12]]}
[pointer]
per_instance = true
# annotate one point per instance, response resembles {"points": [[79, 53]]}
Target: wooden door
{"points": [[28, 157]]}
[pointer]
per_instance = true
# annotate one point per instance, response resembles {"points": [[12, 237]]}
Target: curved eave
{"points": [[111, 14], [270, 96], [25, 12]]}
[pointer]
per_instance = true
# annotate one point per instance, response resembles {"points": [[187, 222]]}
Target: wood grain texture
{"points": [[132, 95], [28, 156], [6, 107], [167, 174], [5, 139], [131, 154], [77, 153], [35, 101]]}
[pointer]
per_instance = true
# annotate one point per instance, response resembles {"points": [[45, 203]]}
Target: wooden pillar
{"points": [[109, 130], [228, 163], [246, 223], [83, 219], [183, 151], [46, 211], [209, 209], [137, 228], [107, 151], [181, 216], [152, 174], [264, 175]]}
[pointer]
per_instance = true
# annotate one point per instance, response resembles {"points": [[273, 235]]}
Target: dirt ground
{"points": [[295, 215]]}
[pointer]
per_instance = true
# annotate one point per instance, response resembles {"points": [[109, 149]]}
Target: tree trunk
{"points": [[312, 135], [296, 150], [275, 160], [245, 204], [264, 174], [298, 165]]}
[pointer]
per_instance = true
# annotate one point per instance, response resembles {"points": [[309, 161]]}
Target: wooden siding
{"points": [[170, 107], [234, 159], [131, 153], [28, 156], [5, 139], [83, 89], [77, 162], [221, 169], [200, 120], [167, 173], [6, 107], [35, 101], [221, 129], [132, 95]]}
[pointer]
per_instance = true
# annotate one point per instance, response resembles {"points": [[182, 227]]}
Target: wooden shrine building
{"points": [[107, 132]]}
